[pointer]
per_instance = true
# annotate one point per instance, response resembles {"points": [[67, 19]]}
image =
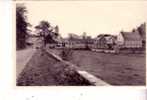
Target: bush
{"points": [[66, 54]]}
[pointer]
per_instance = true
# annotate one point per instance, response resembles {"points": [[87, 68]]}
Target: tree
{"points": [[84, 36], [21, 26], [56, 29], [45, 30]]}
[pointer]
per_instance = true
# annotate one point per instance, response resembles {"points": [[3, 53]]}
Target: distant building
{"points": [[105, 41], [129, 39], [77, 42], [73, 41], [101, 42]]}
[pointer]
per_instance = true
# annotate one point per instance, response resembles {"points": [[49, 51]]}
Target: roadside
{"points": [[44, 70], [22, 57]]}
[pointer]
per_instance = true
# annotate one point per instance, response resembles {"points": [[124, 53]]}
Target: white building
{"points": [[129, 39]]}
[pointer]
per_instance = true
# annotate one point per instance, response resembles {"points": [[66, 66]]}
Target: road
{"points": [[22, 57]]}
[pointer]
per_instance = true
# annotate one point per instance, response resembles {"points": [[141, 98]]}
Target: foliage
{"points": [[45, 30], [66, 54], [49, 71], [21, 26]]}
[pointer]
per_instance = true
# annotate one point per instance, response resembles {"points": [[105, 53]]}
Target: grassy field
{"points": [[120, 69]]}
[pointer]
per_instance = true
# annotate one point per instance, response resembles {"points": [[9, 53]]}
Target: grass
{"points": [[66, 54], [44, 70], [120, 69]]}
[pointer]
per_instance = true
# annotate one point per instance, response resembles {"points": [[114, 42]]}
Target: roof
{"points": [[131, 35], [77, 40], [106, 37]]}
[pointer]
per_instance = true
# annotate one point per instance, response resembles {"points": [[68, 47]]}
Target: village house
{"points": [[129, 40], [101, 42], [133, 40], [125, 40], [73, 41], [78, 42], [89, 42], [105, 41]]}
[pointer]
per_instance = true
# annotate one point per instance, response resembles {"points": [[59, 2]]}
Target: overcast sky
{"points": [[90, 17]]}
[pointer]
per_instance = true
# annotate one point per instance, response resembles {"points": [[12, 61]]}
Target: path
{"points": [[43, 69], [22, 57]]}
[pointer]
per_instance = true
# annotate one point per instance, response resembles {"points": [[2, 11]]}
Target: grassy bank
{"points": [[44, 70]]}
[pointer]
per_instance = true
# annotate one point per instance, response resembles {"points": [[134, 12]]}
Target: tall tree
{"points": [[21, 26], [45, 30]]}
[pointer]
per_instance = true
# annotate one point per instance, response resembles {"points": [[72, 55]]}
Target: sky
{"points": [[95, 17]]}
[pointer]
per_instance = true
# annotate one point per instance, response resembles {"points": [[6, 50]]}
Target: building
{"points": [[78, 42], [129, 39], [105, 41], [73, 41]]}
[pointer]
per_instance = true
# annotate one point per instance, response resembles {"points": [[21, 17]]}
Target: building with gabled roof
{"points": [[129, 39], [105, 41]]}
